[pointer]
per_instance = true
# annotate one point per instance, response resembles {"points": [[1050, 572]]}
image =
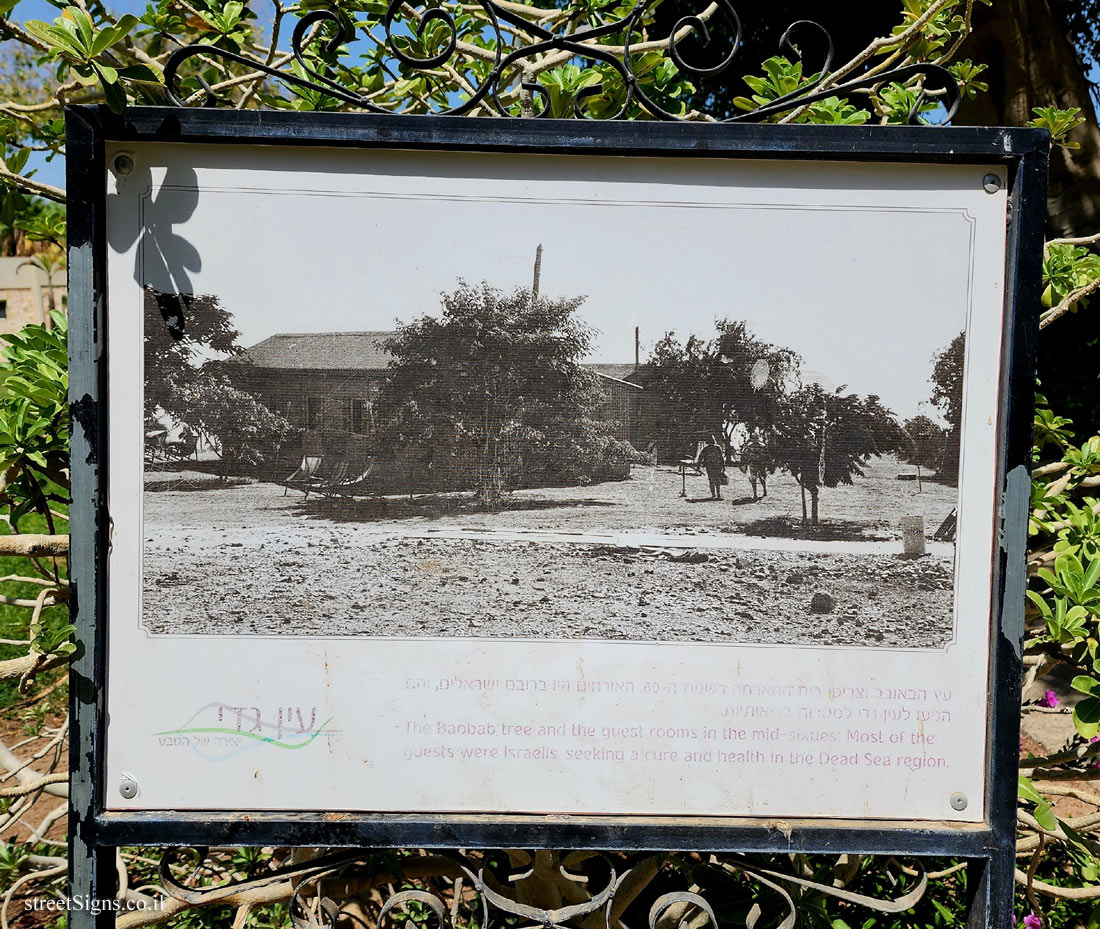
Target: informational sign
{"points": [[480, 482], [463, 483]]}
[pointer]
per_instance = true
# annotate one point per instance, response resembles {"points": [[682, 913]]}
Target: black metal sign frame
{"points": [[95, 833]]}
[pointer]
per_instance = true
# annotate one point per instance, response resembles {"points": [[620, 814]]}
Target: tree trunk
{"points": [[813, 503], [1032, 62], [802, 487]]}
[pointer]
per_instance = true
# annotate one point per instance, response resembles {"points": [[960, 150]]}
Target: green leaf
{"points": [[107, 74], [1086, 717], [1040, 603], [115, 96], [126, 24], [18, 161], [104, 40], [1084, 684], [1025, 790], [54, 37], [140, 73], [81, 20], [1044, 815]]}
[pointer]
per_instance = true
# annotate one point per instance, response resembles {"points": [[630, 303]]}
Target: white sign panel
{"points": [[469, 482]]}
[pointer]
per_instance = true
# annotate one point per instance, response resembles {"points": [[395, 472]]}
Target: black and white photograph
{"points": [[494, 417]]}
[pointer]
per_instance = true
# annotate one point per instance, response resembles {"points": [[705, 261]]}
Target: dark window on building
{"points": [[355, 423], [314, 408], [3, 309]]}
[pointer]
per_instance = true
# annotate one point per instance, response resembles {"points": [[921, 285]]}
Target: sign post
{"points": [[336, 593]]}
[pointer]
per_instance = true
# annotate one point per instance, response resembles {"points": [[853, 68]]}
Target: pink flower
{"points": [[1050, 698], [1031, 921]]}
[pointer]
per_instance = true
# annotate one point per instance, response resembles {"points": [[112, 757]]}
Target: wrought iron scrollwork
{"points": [[323, 891], [582, 45]]}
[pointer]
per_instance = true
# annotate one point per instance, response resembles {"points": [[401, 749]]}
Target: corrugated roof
{"points": [[620, 372], [332, 351], [355, 351]]}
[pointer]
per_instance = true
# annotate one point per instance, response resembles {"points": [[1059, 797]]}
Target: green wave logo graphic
{"points": [[268, 740]]}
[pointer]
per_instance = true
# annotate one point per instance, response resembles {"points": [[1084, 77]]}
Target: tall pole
{"points": [[538, 273]]}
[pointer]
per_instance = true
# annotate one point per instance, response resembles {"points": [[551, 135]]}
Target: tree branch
{"points": [[21, 790], [1073, 754], [1083, 240], [17, 667], [878, 45], [1068, 302], [33, 546], [29, 184], [558, 58], [21, 35], [1063, 893]]}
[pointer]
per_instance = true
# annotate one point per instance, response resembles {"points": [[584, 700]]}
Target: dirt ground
{"points": [[622, 560], [872, 508]]}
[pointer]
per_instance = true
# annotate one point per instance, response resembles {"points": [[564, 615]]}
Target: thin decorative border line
{"points": [[965, 213]]}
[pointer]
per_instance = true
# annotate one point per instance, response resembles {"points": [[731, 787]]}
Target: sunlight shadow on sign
{"points": [[164, 259]]}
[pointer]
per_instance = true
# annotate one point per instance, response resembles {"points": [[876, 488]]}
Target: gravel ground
{"points": [[244, 559], [426, 587]]}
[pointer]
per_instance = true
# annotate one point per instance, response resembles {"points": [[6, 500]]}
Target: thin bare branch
{"points": [[55, 742], [21, 790], [55, 815], [878, 45], [1082, 240], [33, 877], [1062, 893]]}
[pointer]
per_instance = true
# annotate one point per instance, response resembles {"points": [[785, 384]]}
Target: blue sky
{"points": [[619, 238]]}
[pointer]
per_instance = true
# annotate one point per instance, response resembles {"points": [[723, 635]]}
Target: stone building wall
{"points": [[18, 309], [24, 298]]}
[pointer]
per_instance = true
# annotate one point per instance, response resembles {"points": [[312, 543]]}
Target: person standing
{"points": [[713, 460]]}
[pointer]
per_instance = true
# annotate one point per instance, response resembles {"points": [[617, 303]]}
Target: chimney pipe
{"points": [[637, 347]]}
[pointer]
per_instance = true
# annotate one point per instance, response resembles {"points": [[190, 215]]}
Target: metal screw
{"points": [[991, 183], [123, 164], [958, 801], [128, 788]]}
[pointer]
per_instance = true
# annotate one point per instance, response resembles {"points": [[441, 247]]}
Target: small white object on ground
{"points": [[912, 532]]}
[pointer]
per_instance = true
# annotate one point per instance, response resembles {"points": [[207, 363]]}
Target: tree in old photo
{"points": [[186, 389], [924, 444], [947, 397], [825, 438], [714, 386], [492, 393]]}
